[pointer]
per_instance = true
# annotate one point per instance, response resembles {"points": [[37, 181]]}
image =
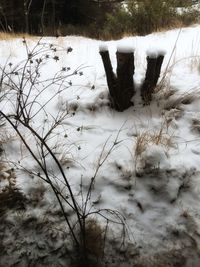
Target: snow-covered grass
{"points": [[151, 176]]}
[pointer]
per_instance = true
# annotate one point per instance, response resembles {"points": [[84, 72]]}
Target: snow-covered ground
{"points": [[151, 176]]}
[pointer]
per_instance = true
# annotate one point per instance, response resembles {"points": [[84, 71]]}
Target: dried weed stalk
{"points": [[147, 138], [187, 98]]}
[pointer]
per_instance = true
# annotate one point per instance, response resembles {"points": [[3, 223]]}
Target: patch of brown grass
{"points": [[172, 258], [10, 36], [94, 238], [159, 137], [177, 100], [196, 125], [195, 63], [10, 196]]}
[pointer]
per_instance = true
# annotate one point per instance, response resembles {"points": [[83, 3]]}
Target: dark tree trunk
{"points": [[26, 22], [110, 76], [121, 88], [53, 17], [42, 16], [148, 84], [125, 84], [151, 78], [158, 68]]}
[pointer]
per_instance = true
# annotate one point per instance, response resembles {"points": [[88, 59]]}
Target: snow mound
{"points": [[155, 157], [103, 47], [155, 52], [122, 48]]}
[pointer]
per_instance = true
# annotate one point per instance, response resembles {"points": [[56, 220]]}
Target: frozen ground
{"points": [[151, 176]]}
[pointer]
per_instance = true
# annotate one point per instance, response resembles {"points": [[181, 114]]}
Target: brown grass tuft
{"points": [[196, 125], [10, 36], [160, 137], [195, 63], [10, 196], [185, 99], [94, 238]]}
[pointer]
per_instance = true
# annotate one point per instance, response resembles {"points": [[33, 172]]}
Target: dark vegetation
{"points": [[94, 18]]}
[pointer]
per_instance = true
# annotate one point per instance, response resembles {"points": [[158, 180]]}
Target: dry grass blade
{"points": [[94, 238], [9, 36], [195, 63], [177, 100], [165, 92], [196, 125], [146, 138]]}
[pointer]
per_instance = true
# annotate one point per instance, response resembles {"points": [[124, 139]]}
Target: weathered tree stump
{"points": [[110, 76], [125, 83], [121, 87], [154, 64]]}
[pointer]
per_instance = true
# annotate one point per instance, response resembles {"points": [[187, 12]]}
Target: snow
{"points": [[121, 48], [151, 174], [192, 8], [155, 52], [103, 47]]}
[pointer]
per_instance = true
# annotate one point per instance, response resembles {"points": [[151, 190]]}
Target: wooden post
{"points": [[121, 88], [125, 83], [148, 84], [154, 64], [159, 62], [110, 76]]}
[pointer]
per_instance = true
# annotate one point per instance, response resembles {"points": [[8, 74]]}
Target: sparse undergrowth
{"points": [[11, 197], [143, 183], [23, 86]]}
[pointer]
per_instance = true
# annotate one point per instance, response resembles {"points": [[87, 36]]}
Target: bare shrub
{"points": [[24, 91]]}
